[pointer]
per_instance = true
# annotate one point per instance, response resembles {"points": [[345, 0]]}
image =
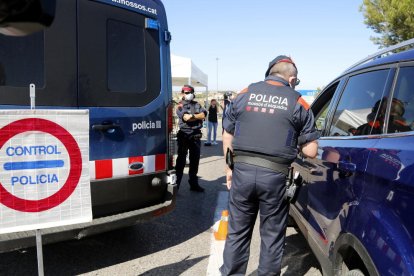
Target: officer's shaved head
{"points": [[284, 69]]}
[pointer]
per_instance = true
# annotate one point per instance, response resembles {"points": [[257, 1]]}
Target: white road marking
{"points": [[216, 251]]}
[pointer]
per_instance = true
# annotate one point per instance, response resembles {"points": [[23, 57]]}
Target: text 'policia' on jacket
{"points": [[265, 122]]}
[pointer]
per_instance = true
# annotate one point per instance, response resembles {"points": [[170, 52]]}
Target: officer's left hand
{"points": [[187, 117], [229, 176]]}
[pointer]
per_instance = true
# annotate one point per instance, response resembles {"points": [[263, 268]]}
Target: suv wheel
{"points": [[354, 272]]}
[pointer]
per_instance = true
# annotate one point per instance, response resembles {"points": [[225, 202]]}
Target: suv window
{"points": [[401, 115], [321, 107], [321, 117], [361, 108]]}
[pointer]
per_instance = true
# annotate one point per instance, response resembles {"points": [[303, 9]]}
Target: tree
{"points": [[392, 19]]}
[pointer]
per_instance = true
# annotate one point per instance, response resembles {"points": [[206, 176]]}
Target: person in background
{"points": [[224, 106], [212, 123], [190, 115]]}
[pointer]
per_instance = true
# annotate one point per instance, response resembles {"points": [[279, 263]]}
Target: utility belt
{"points": [[293, 180], [261, 162], [192, 136], [276, 164]]}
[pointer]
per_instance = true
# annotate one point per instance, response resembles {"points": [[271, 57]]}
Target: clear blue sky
{"points": [[323, 37]]}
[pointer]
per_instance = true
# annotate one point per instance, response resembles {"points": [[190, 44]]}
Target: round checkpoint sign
{"points": [[32, 163]]}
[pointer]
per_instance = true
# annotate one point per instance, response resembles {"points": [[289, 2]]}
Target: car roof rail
{"points": [[408, 44]]}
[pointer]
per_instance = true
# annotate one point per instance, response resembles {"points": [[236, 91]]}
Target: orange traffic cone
{"points": [[221, 234]]}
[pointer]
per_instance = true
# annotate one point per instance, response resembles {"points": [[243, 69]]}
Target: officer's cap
{"points": [[187, 88], [278, 59]]}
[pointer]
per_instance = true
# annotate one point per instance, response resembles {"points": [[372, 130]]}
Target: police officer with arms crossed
{"points": [[191, 115], [264, 126]]}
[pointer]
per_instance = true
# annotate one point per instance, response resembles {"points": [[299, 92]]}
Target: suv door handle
{"points": [[346, 167]]}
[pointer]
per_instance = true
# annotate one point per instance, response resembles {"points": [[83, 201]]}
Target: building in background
{"points": [[308, 95], [184, 71]]}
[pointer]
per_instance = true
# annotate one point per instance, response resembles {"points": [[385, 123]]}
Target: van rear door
{"points": [[119, 81]]}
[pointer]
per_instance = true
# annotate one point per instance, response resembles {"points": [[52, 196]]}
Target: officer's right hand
{"points": [[229, 176]]}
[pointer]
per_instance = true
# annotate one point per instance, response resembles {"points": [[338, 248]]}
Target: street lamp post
{"points": [[217, 60]]}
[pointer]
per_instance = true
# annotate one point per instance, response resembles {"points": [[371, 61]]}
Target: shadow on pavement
{"points": [[175, 268], [297, 257]]}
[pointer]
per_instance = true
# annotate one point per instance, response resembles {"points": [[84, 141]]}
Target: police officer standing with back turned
{"points": [[191, 115], [264, 126]]}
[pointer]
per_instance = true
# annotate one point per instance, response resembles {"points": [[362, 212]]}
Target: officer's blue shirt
{"points": [[303, 121], [190, 107]]}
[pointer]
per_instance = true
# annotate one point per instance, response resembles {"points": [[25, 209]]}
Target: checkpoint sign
{"points": [[44, 169]]}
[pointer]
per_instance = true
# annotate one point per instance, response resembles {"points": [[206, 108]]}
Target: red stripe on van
{"points": [[139, 159], [103, 169], [160, 160]]}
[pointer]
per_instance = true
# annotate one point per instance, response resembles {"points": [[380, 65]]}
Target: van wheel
{"points": [[354, 272]]}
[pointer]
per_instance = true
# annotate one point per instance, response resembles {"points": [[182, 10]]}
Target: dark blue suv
{"points": [[356, 206]]}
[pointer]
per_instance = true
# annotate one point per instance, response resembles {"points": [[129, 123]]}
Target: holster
{"points": [[230, 159], [293, 184], [196, 136]]}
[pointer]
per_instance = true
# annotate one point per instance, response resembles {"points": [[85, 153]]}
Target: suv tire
{"points": [[354, 272]]}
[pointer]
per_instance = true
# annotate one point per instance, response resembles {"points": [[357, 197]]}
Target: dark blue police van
{"points": [[356, 205], [111, 57]]}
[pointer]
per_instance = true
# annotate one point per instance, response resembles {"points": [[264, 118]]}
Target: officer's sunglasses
{"points": [[188, 92], [297, 81]]}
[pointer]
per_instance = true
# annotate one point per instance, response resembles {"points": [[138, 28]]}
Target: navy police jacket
{"points": [[270, 119], [190, 107]]}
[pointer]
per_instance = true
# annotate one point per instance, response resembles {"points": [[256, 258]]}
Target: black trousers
{"points": [[253, 189], [192, 144]]}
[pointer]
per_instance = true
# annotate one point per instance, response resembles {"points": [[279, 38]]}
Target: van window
{"points": [[126, 57], [126, 72], [401, 115], [22, 60], [361, 108]]}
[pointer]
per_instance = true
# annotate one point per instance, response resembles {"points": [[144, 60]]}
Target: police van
{"points": [[111, 57]]}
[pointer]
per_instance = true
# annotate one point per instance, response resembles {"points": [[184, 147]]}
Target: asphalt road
{"points": [[179, 243]]}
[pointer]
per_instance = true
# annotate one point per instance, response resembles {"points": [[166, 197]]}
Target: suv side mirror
{"points": [[23, 17]]}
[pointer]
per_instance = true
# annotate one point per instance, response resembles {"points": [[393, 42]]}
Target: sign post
{"points": [[39, 245], [44, 171], [39, 250]]}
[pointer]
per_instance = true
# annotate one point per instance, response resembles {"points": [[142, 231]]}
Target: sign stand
{"points": [[32, 96], [39, 253], [39, 246]]}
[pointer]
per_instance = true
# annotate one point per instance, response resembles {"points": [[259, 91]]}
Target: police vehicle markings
{"points": [[119, 167], [39, 165]]}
